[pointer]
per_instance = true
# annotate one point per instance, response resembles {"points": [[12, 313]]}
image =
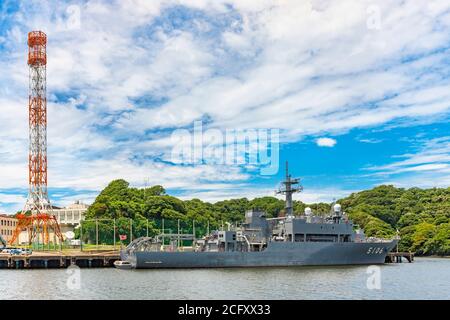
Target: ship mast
{"points": [[288, 188]]}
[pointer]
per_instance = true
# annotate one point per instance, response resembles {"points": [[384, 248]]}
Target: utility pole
{"points": [[96, 232], [131, 230], [114, 233], [178, 245], [193, 232], [81, 235], [163, 231]]}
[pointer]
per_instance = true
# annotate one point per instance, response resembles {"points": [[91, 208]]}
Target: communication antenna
{"points": [[36, 216], [288, 188]]}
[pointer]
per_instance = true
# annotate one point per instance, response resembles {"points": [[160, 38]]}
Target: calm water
{"points": [[426, 278]]}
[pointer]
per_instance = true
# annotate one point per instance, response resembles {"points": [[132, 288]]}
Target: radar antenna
{"points": [[288, 188]]}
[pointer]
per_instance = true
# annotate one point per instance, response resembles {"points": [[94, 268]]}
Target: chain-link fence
{"points": [[112, 234]]}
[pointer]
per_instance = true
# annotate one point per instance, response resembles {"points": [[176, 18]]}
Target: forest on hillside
{"points": [[421, 216]]}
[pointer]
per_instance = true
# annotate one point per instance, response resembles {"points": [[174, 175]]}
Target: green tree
{"points": [[440, 242], [421, 215], [422, 233]]}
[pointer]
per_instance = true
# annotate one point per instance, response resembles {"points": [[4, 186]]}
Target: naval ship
{"points": [[289, 240]]}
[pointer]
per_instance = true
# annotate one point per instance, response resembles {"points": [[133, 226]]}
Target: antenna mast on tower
{"points": [[288, 188], [36, 218]]}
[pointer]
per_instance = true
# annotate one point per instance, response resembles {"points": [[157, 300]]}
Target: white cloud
{"points": [[313, 195], [11, 203], [370, 140], [326, 142], [428, 167], [312, 68], [10, 198], [327, 194]]}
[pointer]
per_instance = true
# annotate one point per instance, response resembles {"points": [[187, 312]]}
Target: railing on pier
{"points": [[397, 257]]}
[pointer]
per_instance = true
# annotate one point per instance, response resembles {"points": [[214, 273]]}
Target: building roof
{"points": [[5, 215], [76, 205]]}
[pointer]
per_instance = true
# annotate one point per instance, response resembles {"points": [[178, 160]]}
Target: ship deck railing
{"points": [[377, 240], [186, 236]]}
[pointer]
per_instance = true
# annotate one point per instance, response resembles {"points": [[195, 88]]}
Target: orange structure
{"points": [[36, 217]]}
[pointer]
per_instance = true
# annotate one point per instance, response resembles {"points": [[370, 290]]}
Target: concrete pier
{"points": [[47, 260], [397, 257]]}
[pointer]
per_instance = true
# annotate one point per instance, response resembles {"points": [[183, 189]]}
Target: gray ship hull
{"points": [[277, 254]]}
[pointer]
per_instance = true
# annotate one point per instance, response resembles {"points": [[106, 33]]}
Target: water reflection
{"points": [[427, 278]]}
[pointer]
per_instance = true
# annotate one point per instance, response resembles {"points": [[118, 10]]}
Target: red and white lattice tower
{"points": [[36, 216]]}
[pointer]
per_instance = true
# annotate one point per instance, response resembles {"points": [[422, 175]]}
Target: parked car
{"points": [[27, 251], [16, 251]]}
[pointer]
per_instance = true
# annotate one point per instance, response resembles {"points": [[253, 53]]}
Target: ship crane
{"points": [[288, 187]]}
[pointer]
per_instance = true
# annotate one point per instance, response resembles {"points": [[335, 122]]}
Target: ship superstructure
{"points": [[305, 239]]}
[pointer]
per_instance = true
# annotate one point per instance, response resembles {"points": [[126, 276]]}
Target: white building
{"points": [[68, 218], [71, 215]]}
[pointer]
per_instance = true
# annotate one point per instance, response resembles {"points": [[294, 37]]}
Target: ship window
{"points": [[321, 237]]}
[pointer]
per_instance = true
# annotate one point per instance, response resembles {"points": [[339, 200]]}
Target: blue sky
{"points": [[360, 91]]}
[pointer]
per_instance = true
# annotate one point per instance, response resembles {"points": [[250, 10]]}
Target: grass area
{"points": [[100, 247]]}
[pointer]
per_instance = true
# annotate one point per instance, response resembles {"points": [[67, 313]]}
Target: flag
{"points": [[122, 237]]}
